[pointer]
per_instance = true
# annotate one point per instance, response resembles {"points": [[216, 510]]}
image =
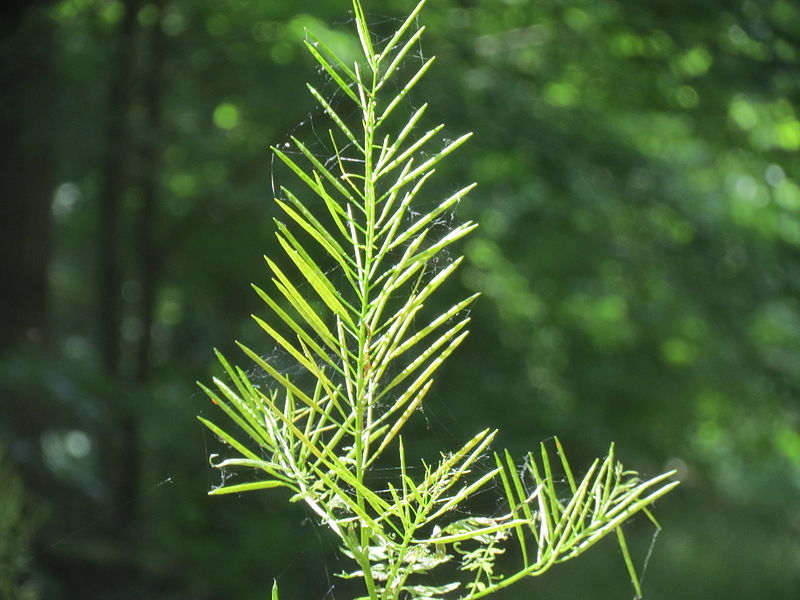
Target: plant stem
{"points": [[363, 388]]}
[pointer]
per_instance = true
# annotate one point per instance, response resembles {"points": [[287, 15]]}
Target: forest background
{"points": [[639, 260]]}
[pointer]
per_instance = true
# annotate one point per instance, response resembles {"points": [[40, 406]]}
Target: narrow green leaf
{"points": [[465, 456], [227, 438], [258, 435], [545, 513], [470, 535], [231, 373], [465, 493], [294, 352], [296, 169], [433, 325], [335, 116], [430, 216], [380, 171], [424, 167], [248, 487], [398, 58], [321, 284], [565, 465], [520, 489], [398, 425], [301, 306], [363, 33], [332, 55], [352, 179], [632, 496], [280, 378], [652, 518], [419, 261], [631, 508], [555, 504], [349, 362], [391, 343], [251, 410], [404, 267], [623, 546], [332, 72], [389, 230], [321, 235], [570, 515], [336, 212], [406, 88], [430, 351], [514, 508], [332, 463], [395, 147], [387, 49], [301, 333], [609, 474], [326, 173], [398, 323], [429, 370]]}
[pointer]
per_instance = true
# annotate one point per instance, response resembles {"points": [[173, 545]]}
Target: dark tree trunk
{"points": [[148, 252], [26, 84], [121, 466], [26, 188], [114, 181]]}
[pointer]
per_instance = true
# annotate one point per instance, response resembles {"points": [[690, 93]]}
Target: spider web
{"points": [[314, 130]]}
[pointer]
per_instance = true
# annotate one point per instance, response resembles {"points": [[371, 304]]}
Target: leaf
{"points": [[335, 116], [428, 164], [430, 216], [321, 168], [228, 439], [253, 430], [381, 171], [409, 126], [514, 506], [310, 224], [280, 378], [433, 326], [312, 48], [623, 546], [321, 284], [472, 528], [247, 487], [363, 32], [403, 92], [401, 30], [401, 54], [331, 54], [299, 303], [302, 334]]}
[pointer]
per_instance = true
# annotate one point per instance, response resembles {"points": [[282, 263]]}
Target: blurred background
{"points": [[638, 256]]}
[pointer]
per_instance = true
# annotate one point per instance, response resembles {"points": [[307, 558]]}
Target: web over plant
{"points": [[364, 248]]}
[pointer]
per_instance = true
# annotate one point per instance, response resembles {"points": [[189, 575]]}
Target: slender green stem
{"points": [[363, 387]]}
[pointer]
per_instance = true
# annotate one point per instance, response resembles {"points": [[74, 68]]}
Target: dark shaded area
{"points": [[639, 257]]}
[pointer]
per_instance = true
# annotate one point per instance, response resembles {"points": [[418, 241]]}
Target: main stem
{"points": [[363, 389]]}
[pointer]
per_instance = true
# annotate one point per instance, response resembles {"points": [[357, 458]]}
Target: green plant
{"points": [[367, 366], [17, 526]]}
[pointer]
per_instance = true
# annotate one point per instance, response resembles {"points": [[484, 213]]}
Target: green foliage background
{"points": [[638, 259]]}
